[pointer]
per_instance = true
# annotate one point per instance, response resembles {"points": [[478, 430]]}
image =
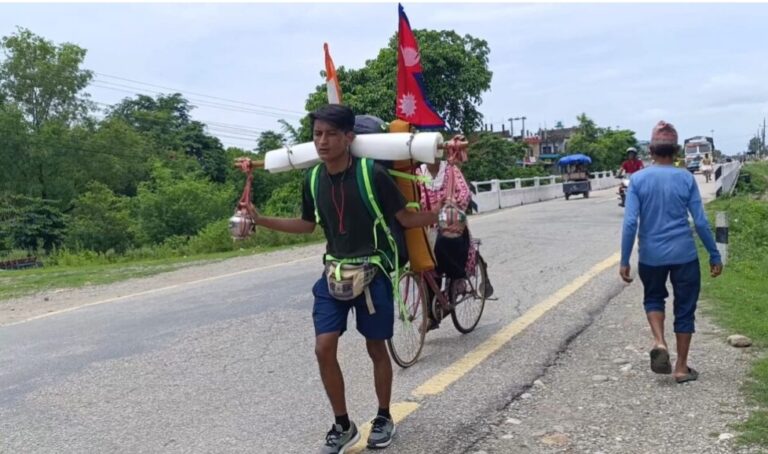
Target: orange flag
{"points": [[332, 82]]}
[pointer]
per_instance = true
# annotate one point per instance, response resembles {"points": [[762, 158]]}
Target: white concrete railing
{"points": [[495, 194], [726, 177]]}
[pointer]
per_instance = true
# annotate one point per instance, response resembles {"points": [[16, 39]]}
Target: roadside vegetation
{"points": [[739, 298]]}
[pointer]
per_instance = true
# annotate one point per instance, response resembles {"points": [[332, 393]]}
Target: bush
{"points": [[73, 258], [757, 175], [101, 221], [215, 237], [286, 199], [179, 205], [30, 223]]}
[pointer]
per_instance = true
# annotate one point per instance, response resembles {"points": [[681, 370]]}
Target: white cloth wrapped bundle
{"points": [[421, 147]]}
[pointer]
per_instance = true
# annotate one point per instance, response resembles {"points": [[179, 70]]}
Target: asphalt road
{"points": [[227, 365]]}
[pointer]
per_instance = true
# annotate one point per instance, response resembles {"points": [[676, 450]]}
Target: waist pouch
{"points": [[348, 281]]}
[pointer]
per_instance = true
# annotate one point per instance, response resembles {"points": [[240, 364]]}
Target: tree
{"points": [[117, 156], [166, 120], [101, 221], [170, 205], [162, 119], [15, 142], [43, 79], [54, 169], [269, 140], [587, 127], [456, 75], [206, 149], [493, 157], [284, 200], [606, 147], [754, 145], [30, 223], [266, 185], [290, 132], [559, 125], [41, 84]]}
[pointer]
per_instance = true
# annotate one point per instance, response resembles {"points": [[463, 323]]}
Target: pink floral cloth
{"points": [[436, 191]]}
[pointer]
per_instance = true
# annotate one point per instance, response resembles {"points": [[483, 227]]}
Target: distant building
{"points": [[555, 141], [534, 142]]}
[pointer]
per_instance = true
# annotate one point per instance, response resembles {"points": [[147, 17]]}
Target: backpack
{"points": [[388, 236]]}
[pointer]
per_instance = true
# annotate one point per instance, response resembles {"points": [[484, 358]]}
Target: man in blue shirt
{"points": [[660, 198]]}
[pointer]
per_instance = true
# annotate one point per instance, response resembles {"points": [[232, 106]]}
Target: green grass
{"points": [[14, 284], [738, 299]]}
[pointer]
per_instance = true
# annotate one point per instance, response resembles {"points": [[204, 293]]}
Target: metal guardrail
{"points": [[726, 176]]}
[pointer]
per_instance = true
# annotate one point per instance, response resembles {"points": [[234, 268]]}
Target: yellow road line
{"points": [[398, 410], [458, 369], [438, 383], [160, 289]]}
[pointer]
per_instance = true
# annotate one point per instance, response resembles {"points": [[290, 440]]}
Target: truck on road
{"points": [[694, 150]]}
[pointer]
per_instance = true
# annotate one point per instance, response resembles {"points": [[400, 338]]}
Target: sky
{"points": [[702, 67]]}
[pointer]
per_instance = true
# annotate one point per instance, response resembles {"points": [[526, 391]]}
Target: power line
{"points": [[195, 102], [210, 124], [278, 109], [229, 129], [198, 102], [227, 134], [252, 139], [231, 125]]}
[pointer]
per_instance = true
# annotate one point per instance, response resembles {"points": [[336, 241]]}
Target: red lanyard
{"points": [[340, 209]]}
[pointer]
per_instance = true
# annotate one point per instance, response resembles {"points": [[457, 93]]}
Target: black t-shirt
{"points": [[339, 196]]}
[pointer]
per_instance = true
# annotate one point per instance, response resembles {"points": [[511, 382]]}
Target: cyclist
{"points": [[451, 240]]}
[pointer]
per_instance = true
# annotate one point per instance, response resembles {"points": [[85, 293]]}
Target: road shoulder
{"points": [[16, 310], [601, 397]]}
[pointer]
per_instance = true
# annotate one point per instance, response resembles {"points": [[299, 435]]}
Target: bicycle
{"points": [[464, 305]]}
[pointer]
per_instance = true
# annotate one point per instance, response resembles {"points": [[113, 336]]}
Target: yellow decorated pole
{"points": [[420, 254]]}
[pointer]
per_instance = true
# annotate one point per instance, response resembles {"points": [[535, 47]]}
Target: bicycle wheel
{"points": [[409, 331], [469, 307]]}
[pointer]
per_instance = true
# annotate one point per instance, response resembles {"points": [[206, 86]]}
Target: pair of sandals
{"points": [[661, 364]]}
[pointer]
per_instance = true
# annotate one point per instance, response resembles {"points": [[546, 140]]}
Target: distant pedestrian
{"points": [[660, 198]]}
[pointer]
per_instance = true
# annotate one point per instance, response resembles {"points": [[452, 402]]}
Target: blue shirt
{"points": [[660, 198]]}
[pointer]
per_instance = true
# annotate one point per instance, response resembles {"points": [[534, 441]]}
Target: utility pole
{"points": [[762, 149], [512, 127], [522, 134]]}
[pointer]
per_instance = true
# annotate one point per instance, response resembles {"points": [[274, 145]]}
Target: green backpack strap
{"points": [[313, 185], [370, 199], [409, 176]]}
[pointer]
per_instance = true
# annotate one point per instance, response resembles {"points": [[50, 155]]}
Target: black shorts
{"points": [[452, 254]]}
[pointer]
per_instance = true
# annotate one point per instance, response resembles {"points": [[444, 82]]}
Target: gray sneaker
{"points": [[337, 441], [382, 431]]}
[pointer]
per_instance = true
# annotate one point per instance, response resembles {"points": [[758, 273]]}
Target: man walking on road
{"points": [[332, 198], [660, 198]]}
